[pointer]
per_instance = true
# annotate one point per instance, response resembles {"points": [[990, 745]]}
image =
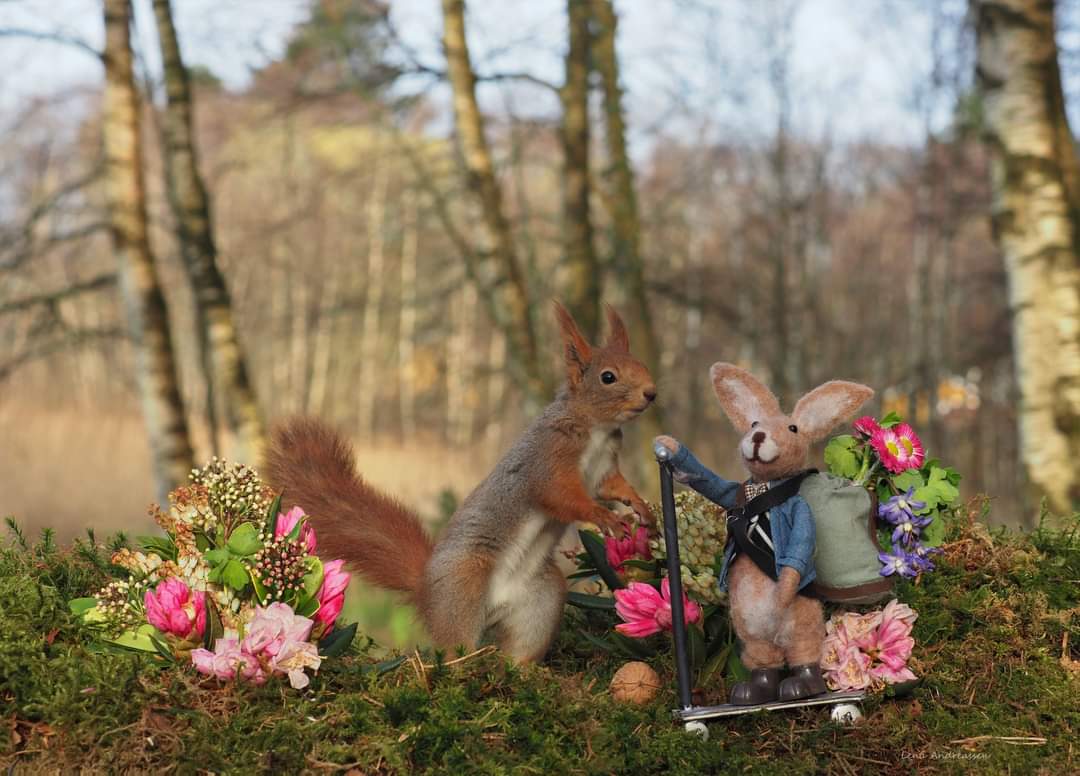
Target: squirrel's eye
{"points": [[793, 429], [754, 424], [607, 377]]}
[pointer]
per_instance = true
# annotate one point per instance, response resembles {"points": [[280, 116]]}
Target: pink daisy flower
{"points": [[867, 426], [899, 448]]}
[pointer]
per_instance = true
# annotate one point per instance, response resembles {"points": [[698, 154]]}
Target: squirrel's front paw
{"points": [[606, 520], [643, 511]]}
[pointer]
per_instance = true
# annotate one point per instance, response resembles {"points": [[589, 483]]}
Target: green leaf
{"points": [[584, 601], [314, 578], [713, 664], [384, 667], [138, 639], [631, 647], [840, 456], [912, 478], [598, 641], [934, 534], [244, 540], [735, 668], [272, 514], [159, 545], [890, 420], [594, 546], [946, 490], [162, 648], [307, 606], [235, 575], [215, 574], [217, 557], [337, 641], [80, 606], [696, 641]]}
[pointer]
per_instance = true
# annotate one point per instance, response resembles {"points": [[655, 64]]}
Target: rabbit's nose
{"points": [[758, 437]]}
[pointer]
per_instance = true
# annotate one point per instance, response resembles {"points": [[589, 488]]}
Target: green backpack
{"points": [[846, 553]]}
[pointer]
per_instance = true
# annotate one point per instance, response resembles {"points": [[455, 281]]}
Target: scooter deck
{"points": [[730, 710]]}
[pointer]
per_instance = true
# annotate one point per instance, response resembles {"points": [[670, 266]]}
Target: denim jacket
{"points": [[792, 523]]}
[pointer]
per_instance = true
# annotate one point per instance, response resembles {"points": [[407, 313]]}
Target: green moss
{"points": [[992, 623]]}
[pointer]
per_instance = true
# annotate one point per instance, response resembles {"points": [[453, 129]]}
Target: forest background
{"points": [[214, 215]]}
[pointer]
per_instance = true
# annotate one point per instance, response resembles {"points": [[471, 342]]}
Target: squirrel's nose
{"points": [[650, 394], [758, 437]]}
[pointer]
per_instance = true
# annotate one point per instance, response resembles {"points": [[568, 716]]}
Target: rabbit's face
{"points": [[772, 448], [775, 445]]}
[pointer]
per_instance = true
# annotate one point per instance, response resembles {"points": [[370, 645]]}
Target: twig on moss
{"points": [[1013, 740]]}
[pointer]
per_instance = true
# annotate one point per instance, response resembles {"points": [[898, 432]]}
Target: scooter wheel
{"points": [[846, 713], [698, 728]]}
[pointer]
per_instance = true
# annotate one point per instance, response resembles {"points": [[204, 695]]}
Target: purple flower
{"points": [[920, 556], [901, 507], [897, 562], [907, 531]]}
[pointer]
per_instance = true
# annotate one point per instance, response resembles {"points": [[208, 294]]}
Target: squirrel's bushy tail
{"points": [[382, 540]]}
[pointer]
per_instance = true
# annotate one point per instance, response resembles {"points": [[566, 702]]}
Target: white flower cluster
{"points": [[232, 490], [702, 534]]}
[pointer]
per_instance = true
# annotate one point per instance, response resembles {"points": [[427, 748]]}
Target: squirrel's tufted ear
{"points": [[576, 349], [742, 396], [829, 405], [618, 338]]}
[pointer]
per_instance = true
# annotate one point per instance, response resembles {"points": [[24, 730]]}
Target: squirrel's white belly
{"points": [[598, 457], [524, 558]]}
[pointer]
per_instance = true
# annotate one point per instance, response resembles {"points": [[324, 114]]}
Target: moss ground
{"points": [[998, 645]]}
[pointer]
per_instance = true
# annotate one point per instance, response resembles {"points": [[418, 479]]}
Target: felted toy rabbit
{"points": [[769, 558]]}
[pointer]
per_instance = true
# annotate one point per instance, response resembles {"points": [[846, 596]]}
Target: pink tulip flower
{"points": [[286, 521], [332, 593], [172, 607], [634, 543], [646, 611]]}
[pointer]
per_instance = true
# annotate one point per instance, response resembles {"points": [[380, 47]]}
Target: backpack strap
{"points": [[773, 497]]}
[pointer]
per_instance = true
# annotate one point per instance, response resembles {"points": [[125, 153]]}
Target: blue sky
{"points": [[690, 66]]}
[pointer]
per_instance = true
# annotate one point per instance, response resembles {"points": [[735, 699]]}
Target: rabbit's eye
{"points": [[793, 429], [755, 424], [607, 377]]}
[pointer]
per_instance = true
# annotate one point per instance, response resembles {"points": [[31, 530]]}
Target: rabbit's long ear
{"points": [[618, 338], [827, 406], [743, 397], [577, 353]]}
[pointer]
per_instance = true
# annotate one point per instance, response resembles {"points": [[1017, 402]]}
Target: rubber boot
{"points": [[762, 688], [804, 682]]}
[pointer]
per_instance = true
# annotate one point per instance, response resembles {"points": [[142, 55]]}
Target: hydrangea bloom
{"points": [[899, 448], [173, 608], [646, 610]]}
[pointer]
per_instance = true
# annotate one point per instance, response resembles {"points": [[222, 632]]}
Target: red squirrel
{"points": [[493, 569]]}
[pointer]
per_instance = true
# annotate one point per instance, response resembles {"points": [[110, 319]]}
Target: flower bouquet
{"points": [[234, 586], [632, 567], [913, 491]]}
